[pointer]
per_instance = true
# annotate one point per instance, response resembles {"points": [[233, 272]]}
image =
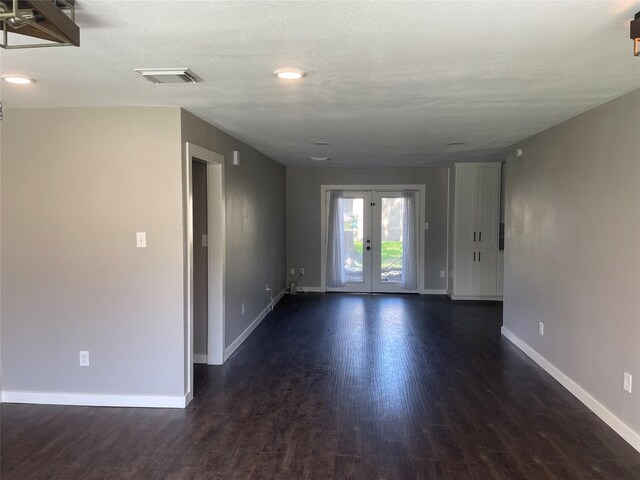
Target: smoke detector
{"points": [[160, 76]]}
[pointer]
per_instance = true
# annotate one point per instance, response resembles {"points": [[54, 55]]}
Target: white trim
{"points": [[215, 251], [622, 429], [434, 291], [477, 164], [310, 289], [373, 188], [249, 330], [448, 227], [200, 358], [496, 298], [93, 400]]}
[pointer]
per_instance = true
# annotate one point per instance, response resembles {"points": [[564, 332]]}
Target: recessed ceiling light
{"points": [[321, 143], [319, 159], [17, 79], [289, 74], [452, 144]]}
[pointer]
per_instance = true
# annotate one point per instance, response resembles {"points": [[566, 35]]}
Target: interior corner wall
{"points": [[77, 184], [572, 256], [255, 224], [304, 206]]}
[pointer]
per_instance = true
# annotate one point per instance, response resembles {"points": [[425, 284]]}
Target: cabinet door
{"points": [[464, 280], [465, 206], [486, 272], [488, 207]]}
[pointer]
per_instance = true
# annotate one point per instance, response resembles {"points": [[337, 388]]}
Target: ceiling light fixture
{"points": [[635, 34], [289, 74], [52, 21], [319, 159], [321, 143], [17, 79], [453, 144]]}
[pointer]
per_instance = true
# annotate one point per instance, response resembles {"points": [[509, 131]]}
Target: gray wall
{"points": [[200, 259], [254, 209], [76, 186], [304, 204], [573, 259]]}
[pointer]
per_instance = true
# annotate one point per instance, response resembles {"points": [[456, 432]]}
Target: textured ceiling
{"points": [[388, 83]]}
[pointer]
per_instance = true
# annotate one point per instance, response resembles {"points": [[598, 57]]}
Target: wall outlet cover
{"points": [[541, 328], [84, 358]]}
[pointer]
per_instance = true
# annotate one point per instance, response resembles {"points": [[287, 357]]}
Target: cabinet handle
{"points": [[474, 236], [474, 256], [478, 256], [480, 236]]}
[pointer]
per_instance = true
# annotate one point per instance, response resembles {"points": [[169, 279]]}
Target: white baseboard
{"points": [[200, 358], [311, 289], [432, 291], [249, 330], [92, 400], [626, 432], [472, 297]]}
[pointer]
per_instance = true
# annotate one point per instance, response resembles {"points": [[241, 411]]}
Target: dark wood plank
{"points": [[340, 387]]}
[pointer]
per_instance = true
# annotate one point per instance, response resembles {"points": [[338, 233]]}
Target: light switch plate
{"points": [[426, 226], [141, 239], [205, 240], [627, 382]]}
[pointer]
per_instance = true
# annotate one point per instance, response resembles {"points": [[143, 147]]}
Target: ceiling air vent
{"points": [[160, 76]]}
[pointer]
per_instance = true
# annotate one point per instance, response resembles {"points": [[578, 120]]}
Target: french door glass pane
{"points": [[391, 240], [353, 230]]}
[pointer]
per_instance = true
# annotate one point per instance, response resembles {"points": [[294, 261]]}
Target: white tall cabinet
{"points": [[476, 225]]}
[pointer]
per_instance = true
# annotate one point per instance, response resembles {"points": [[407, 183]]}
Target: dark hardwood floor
{"points": [[340, 386]]}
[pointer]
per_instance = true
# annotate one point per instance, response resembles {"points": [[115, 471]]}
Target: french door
{"points": [[373, 235]]}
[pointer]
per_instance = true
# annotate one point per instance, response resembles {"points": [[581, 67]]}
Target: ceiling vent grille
{"points": [[161, 76]]}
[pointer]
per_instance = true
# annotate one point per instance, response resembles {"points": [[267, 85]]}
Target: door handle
{"points": [[478, 256], [480, 236], [474, 236], [474, 256]]}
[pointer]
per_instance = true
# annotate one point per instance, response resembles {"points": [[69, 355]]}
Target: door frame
{"points": [[215, 253], [371, 188]]}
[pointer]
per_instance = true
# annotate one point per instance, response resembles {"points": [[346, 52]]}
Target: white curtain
{"points": [[335, 241], [409, 241]]}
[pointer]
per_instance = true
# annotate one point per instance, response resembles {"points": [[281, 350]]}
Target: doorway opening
{"points": [[372, 238], [204, 259]]}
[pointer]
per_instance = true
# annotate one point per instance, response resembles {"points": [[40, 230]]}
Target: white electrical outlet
{"points": [[541, 328], [302, 271], [292, 271], [84, 358], [243, 308], [627, 382], [442, 274]]}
